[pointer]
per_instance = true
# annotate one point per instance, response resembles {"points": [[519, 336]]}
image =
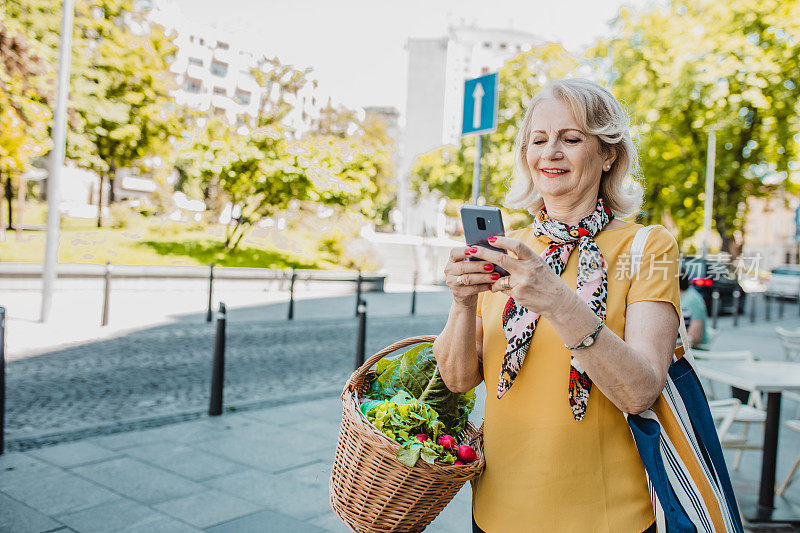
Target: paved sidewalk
{"points": [[265, 470], [260, 470]]}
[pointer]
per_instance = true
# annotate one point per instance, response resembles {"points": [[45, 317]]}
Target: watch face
{"points": [[588, 342]]}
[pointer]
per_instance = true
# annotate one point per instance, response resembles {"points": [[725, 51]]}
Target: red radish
{"points": [[466, 454], [421, 437], [447, 442], [458, 462]]}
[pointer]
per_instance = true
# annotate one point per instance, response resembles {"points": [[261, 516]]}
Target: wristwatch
{"points": [[588, 340]]}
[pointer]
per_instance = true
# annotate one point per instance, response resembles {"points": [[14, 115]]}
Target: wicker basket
{"points": [[371, 491]]}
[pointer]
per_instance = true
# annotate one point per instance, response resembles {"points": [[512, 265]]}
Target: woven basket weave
{"points": [[371, 491]]}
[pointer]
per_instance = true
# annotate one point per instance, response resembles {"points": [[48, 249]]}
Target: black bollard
{"points": [[752, 299], [736, 299], [290, 315], [714, 308], [414, 295], [767, 306], [361, 339], [2, 379], [218, 366], [210, 291], [358, 291], [780, 307], [106, 294]]}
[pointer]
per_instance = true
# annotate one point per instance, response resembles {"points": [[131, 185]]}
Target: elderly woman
{"points": [[568, 342]]}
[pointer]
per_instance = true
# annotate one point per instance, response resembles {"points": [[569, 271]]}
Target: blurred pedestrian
{"points": [[695, 314], [595, 343]]}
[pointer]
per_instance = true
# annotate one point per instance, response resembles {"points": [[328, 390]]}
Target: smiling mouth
{"points": [[553, 172]]}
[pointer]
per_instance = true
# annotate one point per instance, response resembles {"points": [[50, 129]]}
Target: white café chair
{"points": [[729, 411], [793, 425], [790, 340], [712, 335]]}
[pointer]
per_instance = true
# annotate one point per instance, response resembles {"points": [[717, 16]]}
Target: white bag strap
{"points": [[637, 251]]}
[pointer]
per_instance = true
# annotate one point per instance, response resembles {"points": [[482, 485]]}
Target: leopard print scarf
{"points": [[592, 285]]}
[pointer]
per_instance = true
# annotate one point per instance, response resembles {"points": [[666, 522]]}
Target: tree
{"points": [[204, 154], [449, 168], [120, 81], [24, 112], [686, 67]]}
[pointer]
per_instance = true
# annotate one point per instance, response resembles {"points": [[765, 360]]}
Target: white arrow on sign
{"points": [[477, 100]]}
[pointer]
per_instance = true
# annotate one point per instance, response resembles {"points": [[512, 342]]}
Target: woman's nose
{"points": [[552, 151]]}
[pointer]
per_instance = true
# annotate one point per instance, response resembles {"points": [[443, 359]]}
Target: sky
{"points": [[356, 47]]}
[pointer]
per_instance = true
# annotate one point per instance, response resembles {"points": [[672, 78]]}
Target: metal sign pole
{"points": [[476, 169], [57, 161]]}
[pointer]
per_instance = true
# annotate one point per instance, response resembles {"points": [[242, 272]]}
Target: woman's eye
{"points": [[538, 141], [572, 141]]}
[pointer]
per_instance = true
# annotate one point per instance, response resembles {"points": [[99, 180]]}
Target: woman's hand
{"points": [[532, 283], [467, 278]]}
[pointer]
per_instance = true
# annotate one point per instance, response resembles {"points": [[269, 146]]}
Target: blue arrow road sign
{"points": [[480, 105]]}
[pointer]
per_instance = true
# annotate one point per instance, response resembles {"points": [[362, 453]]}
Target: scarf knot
{"points": [[519, 324]]}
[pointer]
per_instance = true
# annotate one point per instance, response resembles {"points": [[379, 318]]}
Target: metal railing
{"points": [[372, 281]]}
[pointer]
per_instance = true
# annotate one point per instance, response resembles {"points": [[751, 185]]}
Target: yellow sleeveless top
{"points": [[545, 471]]}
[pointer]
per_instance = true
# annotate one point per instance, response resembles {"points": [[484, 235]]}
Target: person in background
{"points": [[693, 308]]}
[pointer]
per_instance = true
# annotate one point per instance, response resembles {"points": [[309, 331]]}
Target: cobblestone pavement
{"points": [[167, 370]]}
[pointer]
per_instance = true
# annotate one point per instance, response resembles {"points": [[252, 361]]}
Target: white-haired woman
{"points": [[568, 342]]}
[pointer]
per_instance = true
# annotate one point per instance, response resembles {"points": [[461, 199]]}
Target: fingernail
{"points": [[466, 252], [495, 276], [492, 239], [488, 268], [473, 250]]}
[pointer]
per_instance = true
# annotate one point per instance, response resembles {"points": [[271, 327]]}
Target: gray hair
{"points": [[598, 113]]}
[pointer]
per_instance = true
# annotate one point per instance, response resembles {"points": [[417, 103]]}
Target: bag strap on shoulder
{"points": [[637, 251]]}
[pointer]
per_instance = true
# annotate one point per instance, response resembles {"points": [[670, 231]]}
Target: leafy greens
{"points": [[417, 373]]}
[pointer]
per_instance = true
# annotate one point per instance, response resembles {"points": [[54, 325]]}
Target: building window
{"points": [[243, 97], [218, 68], [196, 62], [487, 44], [202, 42], [219, 90], [191, 38], [192, 86], [503, 46], [218, 111], [222, 46]]}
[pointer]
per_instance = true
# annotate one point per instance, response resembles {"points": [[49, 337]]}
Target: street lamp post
{"points": [[57, 160], [708, 204]]}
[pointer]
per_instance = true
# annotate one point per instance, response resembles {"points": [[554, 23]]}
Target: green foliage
{"points": [[449, 168], [400, 418], [119, 84], [24, 113], [685, 67], [417, 373]]}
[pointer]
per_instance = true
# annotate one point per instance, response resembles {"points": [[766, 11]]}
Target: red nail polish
{"points": [[492, 239], [495, 276], [466, 252], [473, 250], [488, 268]]}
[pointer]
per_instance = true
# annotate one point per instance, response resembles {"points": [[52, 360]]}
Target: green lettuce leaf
{"points": [[416, 373]]}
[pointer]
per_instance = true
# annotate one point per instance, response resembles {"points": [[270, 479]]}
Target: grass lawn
{"points": [[157, 242]]}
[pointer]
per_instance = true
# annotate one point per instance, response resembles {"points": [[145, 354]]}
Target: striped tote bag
{"points": [[686, 473]]}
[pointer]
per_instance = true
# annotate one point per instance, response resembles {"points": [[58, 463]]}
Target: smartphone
{"points": [[481, 222]]}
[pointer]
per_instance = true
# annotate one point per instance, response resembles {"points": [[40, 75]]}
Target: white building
{"points": [[213, 70], [437, 69]]}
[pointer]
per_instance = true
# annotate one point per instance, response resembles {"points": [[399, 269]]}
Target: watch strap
{"points": [[589, 339]]}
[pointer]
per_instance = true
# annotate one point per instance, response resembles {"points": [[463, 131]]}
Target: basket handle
{"points": [[363, 369]]}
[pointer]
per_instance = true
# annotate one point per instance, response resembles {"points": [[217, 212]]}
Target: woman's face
{"points": [[565, 162]]}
